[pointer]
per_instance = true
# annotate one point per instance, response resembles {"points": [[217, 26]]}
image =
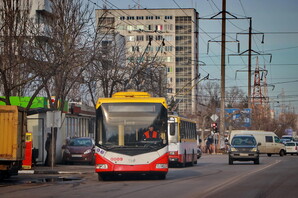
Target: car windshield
{"points": [[80, 142], [243, 141]]}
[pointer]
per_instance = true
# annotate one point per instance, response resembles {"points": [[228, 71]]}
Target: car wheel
{"points": [[282, 153], [269, 154], [230, 161], [257, 161]]}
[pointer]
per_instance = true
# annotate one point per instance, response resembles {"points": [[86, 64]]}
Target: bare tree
{"points": [[65, 46], [148, 71], [61, 51], [15, 73], [107, 72], [234, 96]]}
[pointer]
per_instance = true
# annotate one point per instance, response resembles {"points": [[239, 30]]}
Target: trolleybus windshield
{"points": [[123, 124]]}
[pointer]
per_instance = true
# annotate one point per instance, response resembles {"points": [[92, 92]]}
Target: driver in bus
{"points": [[151, 134]]}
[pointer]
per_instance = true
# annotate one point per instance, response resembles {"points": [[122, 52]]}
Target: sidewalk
{"points": [[59, 169]]}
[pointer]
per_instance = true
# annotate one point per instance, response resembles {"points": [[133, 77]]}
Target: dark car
{"points": [[79, 149], [244, 148]]}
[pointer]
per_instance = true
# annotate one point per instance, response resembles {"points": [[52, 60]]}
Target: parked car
{"points": [[243, 148], [199, 153], [291, 148], [79, 149]]}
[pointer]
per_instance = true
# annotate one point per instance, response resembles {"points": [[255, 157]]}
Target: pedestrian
{"points": [[208, 146], [209, 142], [47, 147]]}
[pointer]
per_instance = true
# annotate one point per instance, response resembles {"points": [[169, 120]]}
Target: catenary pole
{"points": [[223, 72]]}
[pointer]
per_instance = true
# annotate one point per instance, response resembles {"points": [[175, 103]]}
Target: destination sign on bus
{"points": [[131, 108]]}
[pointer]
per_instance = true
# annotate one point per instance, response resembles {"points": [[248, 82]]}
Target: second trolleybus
{"points": [[183, 144], [120, 147]]}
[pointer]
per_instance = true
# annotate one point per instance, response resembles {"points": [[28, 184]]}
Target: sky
{"points": [[275, 19]]}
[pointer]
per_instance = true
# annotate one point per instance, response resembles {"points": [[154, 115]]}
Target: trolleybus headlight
{"points": [[173, 153], [101, 166], [161, 165]]}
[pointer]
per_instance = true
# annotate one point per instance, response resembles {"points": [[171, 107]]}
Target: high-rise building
{"points": [[176, 31]]}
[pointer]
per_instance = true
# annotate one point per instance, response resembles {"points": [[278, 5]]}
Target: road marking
{"points": [[232, 180]]}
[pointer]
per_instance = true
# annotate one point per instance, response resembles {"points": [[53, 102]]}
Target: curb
{"points": [[49, 172]]}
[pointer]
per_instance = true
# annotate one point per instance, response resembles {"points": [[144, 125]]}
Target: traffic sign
{"points": [[214, 117]]}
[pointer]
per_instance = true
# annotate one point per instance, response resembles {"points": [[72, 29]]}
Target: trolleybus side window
{"points": [[172, 128]]}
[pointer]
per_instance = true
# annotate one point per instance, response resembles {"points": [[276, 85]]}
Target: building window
{"points": [[135, 48], [183, 19], [149, 36], [140, 18], [168, 48], [130, 28], [120, 27], [168, 27], [130, 18], [168, 59], [168, 38], [122, 18], [150, 49], [140, 38], [168, 17], [106, 22], [157, 17], [158, 27], [140, 27], [130, 38], [149, 17], [158, 37]]}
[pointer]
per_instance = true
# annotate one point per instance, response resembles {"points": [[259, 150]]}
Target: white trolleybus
{"points": [[122, 147], [182, 141]]}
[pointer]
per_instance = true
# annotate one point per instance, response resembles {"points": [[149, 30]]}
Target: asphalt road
{"points": [[212, 177]]}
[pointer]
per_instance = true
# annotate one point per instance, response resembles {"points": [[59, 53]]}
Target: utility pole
{"points": [[249, 63], [223, 69], [250, 52]]}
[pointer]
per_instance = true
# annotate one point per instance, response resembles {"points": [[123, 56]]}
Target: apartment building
{"points": [[174, 35]]}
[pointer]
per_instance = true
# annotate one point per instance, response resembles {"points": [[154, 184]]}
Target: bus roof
{"points": [[131, 97]]}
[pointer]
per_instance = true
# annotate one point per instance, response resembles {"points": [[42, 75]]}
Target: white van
{"points": [[270, 143]]}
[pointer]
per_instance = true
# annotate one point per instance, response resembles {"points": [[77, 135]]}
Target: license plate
{"points": [[76, 155], [243, 154]]}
